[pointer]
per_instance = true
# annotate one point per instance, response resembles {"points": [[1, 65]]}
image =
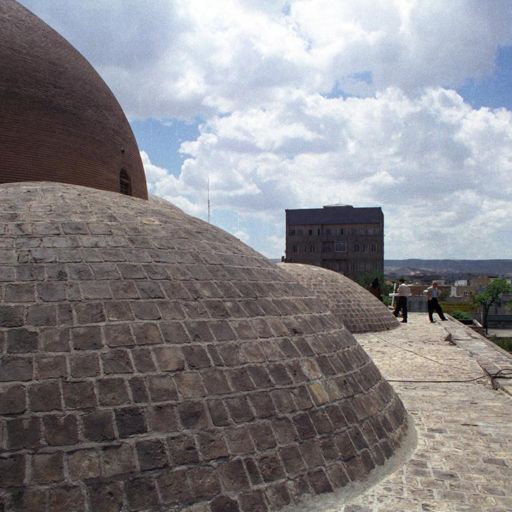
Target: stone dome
{"points": [[60, 122], [356, 307], [151, 361]]}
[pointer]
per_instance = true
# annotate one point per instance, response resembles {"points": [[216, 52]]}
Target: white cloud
{"points": [[171, 58], [267, 79], [427, 160]]}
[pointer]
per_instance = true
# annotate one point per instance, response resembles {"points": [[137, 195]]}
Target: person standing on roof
{"points": [[432, 293], [402, 293], [374, 289]]}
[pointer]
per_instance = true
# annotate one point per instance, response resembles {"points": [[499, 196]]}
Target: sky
{"points": [[402, 104]]}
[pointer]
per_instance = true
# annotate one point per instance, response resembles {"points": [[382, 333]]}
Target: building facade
{"points": [[341, 238]]}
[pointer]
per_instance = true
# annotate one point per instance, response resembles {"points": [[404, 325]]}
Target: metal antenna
{"points": [[208, 199]]}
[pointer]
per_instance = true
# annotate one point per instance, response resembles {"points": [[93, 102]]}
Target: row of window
{"points": [[335, 231], [338, 246]]}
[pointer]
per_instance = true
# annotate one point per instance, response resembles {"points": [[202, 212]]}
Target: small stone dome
{"points": [[60, 121], [357, 308], [151, 361]]}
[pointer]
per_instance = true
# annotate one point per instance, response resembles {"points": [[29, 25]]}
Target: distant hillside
{"points": [[448, 267]]}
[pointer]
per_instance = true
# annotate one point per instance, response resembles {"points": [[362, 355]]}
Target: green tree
{"points": [[491, 294]]}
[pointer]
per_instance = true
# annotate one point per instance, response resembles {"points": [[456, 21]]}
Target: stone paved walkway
{"points": [[463, 461]]}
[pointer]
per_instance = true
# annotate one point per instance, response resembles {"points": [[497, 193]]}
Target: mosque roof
{"points": [[60, 121], [151, 360], [356, 307]]}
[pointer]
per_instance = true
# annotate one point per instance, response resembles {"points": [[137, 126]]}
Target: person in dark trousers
{"points": [[433, 303], [401, 295], [374, 289]]}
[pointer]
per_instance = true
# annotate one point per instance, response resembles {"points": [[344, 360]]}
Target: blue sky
{"points": [[281, 104]]}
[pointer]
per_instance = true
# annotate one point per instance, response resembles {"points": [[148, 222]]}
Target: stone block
{"points": [[141, 494], [232, 475], [218, 413], [239, 409], [182, 449], [151, 454], [190, 385], [89, 313], [211, 445], [24, 433], [86, 338], [12, 399], [86, 364], [105, 497], [118, 460], [253, 502], [12, 470], [50, 366], [22, 340], [224, 504], [60, 430], [138, 390], [161, 388], [193, 415], [174, 488], [118, 335], [204, 481], [162, 418], [116, 362], [47, 468], [130, 421], [11, 316], [98, 426], [19, 292], [79, 394], [66, 499], [112, 391], [270, 467], [45, 396], [147, 334], [143, 360], [83, 464]]}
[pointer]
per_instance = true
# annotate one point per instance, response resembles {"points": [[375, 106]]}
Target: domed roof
{"points": [[60, 121], [356, 307], [151, 360]]}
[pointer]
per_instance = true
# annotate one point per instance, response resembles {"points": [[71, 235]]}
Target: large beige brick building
{"points": [[341, 238]]}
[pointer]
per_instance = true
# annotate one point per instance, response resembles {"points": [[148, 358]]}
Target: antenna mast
{"points": [[208, 199]]}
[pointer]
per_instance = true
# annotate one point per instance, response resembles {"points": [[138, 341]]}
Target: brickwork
{"points": [[150, 361], [357, 308], [60, 121]]}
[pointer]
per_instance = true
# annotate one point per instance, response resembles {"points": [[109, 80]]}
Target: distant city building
{"points": [[341, 238]]}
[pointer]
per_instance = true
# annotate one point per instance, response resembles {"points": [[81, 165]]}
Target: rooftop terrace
{"points": [[463, 461]]}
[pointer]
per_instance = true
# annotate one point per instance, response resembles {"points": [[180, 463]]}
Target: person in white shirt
{"points": [[402, 293], [432, 293]]}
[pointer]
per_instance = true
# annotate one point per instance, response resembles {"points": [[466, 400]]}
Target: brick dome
{"points": [[356, 307], [151, 361], [60, 121]]}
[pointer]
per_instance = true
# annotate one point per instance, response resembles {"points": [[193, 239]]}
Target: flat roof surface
{"points": [[335, 215], [463, 461]]}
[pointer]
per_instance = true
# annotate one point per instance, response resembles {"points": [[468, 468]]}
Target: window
{"points": [[310, 232], [294, 248], [318, 231], [340, 246], [291, 232], [125, 183], [311, 248], [327, 231], [299, 232], [373, 248], [341, 231], [356, 247], [363, 248], [327, 246]]}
